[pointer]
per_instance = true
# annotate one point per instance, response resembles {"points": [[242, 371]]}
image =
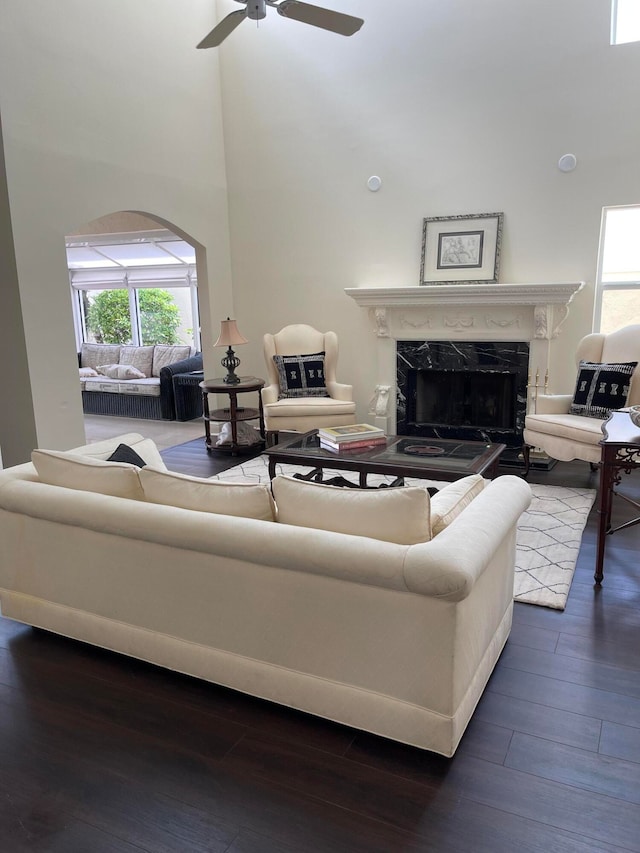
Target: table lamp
{"points": [[230, 337]]}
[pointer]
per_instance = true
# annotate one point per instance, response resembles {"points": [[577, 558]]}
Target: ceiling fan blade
{"points": [[337, 22], [226, 26]]}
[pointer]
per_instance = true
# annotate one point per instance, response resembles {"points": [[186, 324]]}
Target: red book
{"points": [[353, 445]]}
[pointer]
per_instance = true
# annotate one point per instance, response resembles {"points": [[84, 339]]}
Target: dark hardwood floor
{"points": [[103, 754]]}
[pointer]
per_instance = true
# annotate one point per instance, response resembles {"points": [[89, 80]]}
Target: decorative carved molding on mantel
{"points": [[530, 313]]}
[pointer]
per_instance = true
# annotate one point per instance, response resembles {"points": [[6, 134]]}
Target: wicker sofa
{"points": [[138, 382]]}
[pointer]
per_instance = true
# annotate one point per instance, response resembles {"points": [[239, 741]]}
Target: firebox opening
{"points": [[471, 398]]}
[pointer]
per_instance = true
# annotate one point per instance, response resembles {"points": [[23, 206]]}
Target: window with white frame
{"points": [[139, 289], [625, 21], [618, 287]]}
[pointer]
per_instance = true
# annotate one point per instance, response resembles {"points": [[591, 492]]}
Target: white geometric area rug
{"points": [[548, 539], [548, 542]]}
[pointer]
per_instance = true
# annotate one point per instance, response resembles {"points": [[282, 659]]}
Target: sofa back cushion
{"points": [[247, 500], [139, 357], [91, 355], [164, 355], [450, 500], [392, 515], [87, 474]]}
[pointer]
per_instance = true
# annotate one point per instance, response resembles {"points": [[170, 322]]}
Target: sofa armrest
{"points": [[185, 365], [553, 404], [449, 565], [340, 392], [167, 400]]}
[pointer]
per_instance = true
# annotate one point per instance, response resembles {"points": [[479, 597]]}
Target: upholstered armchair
{"points": [[303, 392], [556, 426]]}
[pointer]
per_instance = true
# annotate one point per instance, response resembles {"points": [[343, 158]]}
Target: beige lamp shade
{"points": [[229, 335]]}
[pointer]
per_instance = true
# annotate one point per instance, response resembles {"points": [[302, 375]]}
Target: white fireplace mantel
{"points": [[549, 304], [475, 312]]}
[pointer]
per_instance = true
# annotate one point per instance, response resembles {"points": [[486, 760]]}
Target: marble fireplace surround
{"points": [[532, 313]]}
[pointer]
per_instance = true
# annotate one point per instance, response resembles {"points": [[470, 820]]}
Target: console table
{"points": [[620, 454], [234, 413]]}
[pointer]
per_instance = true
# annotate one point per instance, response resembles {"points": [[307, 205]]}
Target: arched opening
{"points": [[133, 281], [134, 289]]}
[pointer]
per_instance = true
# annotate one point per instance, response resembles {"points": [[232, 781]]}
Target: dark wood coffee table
{"points": [[403, 456]]}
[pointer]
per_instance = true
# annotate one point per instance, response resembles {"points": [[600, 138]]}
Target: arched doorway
{"points": [[133, 281]]}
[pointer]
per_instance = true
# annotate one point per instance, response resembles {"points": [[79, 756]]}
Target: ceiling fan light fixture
{"points": [[305, 13]]}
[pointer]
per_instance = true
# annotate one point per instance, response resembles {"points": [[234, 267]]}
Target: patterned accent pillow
{"points": [[301, 375], [120, 371], [601, 388]]}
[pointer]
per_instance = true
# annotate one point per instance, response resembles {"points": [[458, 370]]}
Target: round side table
{"points": [[234, 413]]}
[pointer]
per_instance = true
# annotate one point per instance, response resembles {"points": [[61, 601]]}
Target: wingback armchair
{"points": [[303, 393], [566, 436]]}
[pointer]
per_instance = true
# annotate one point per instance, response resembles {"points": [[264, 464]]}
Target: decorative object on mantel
{"points": [[230, 337], [464, 248]]}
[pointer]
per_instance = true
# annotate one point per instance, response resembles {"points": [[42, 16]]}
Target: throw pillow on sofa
{"points": [[86, 372], [120, 371], [124, 453], [392, 515], [247, 500], [144, 447], [87, 474]]}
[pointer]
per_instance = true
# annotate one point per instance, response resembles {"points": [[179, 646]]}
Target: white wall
{"points": [[105, 107], [460, 106]]}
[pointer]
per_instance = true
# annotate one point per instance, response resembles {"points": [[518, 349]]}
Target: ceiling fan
{"points": [[255, 10]]}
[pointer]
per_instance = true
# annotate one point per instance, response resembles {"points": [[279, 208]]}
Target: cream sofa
{"points": [[395, 639]]}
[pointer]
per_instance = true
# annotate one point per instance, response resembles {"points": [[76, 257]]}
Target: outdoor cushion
{"points": [[139, 357], [120, 371], [164, 355], [91, 355]]}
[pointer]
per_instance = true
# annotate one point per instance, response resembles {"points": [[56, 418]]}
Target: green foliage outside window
{"points": [[109, 321]]}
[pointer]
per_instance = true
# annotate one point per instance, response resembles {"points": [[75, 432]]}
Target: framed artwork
{"points": [[463, 249]]}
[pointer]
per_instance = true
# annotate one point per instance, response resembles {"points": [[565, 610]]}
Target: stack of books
{"points": [[352, 437]]}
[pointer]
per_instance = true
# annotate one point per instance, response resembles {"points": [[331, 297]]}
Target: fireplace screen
{"points": [[470, 398], [465, 390]]}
